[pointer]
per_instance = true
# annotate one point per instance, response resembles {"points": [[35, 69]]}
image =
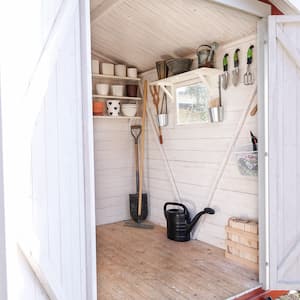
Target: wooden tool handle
{"points": [[160, 136], [142, 148], [253, 111]]}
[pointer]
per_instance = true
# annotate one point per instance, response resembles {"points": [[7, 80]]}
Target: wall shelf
{"points": [[209, 76], [116, 79], [117, 117], [118, 97]]}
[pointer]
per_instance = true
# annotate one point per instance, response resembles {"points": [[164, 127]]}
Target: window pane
{"points": [[192, 104]]}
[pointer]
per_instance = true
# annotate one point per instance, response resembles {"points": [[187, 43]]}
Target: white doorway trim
{"points": [[88, 151], [3, 271]]}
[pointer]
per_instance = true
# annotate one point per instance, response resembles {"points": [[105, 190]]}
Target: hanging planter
{"points": [[163, 119], [216, 110], [247, 160]]}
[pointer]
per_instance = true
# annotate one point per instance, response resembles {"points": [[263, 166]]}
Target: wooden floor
{"points": [[143, 264]]}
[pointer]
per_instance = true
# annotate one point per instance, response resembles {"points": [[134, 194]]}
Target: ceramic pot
{"points": [[132, 72], [102, 89], [113, 107], [120, 70], [107, 69], [95, 66], [131, 90], [129, 110], [118, 90]]}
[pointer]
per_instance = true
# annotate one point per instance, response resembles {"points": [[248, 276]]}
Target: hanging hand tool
{"points": [[155, 97], [225, 75], [236, 70], [253, 111], [248, 76], [254, 141]]}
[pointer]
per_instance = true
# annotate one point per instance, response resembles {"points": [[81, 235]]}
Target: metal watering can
{"points": [[205, 55], [179, 223]]}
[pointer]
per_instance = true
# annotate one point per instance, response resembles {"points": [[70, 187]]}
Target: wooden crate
{"points": [[242, 242]]}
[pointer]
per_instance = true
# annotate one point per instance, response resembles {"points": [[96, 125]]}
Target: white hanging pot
{"points": [[216, 114], [163, 118]]}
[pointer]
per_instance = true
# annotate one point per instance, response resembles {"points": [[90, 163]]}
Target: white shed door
{"points": [[43, 105], [284, 152]]}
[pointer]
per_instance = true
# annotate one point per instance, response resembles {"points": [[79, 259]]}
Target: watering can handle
{"points": [[208, 46], [174, 203]]}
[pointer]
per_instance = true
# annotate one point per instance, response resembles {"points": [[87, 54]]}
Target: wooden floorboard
{"points": [[143, 264]]}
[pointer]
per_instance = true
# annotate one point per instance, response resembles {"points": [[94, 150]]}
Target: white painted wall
{"points": [[114, 169], [195, 153]]}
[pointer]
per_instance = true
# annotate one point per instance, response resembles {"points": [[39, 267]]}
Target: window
{"points": [[192, 104]]}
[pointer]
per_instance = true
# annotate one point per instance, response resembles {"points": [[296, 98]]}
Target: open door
{"points": [[283, 153], [47, 150]]}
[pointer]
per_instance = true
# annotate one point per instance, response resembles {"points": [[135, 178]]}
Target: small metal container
{"points": [[163, 120], [162, 69], [216, 114], [179, 65]]}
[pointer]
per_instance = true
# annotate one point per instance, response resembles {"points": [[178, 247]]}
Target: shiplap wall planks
{"points": [[195, 153], [53, 209], [114, 169]]}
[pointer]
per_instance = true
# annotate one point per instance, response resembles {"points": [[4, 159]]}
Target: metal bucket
{"points": [[216, 114], [161, 69], [205, 55], [163, 120]]}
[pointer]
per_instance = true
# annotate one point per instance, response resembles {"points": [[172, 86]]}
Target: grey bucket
{"points": [[163, 120], [216, 114]]}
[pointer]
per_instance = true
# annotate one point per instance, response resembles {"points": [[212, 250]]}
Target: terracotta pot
{"points": [[131, 90], [98, 108]]}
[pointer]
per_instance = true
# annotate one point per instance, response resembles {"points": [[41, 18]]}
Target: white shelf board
{"points": [[208, 76], [118, 97], [202, 73], [111, 78], [116, 117]]}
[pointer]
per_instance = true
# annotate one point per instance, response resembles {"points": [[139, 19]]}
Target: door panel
{"points": [[43, 145], [284, 149]]}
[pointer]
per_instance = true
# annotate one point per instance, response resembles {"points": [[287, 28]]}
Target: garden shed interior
{"points": [[197, 164], [149, 148]]}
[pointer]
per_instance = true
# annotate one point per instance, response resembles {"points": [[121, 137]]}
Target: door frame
{"points": [[3, 271], [260, 10], [262, 102], [88, 150]]}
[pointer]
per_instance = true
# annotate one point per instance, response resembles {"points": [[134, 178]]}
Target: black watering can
{"points": [[179, 223]]}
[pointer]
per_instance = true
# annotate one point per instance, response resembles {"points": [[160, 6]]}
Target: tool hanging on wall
{"points": [[253, 111], [248, 76], [163, 115], [155, 97], [236, 70], [225, 75], [254, 141]]}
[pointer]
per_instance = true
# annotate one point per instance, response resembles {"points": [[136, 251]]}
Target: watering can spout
{"points": [[206, 210]]}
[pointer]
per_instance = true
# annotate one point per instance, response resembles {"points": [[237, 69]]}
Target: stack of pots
{"points": [[113, 106]]}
